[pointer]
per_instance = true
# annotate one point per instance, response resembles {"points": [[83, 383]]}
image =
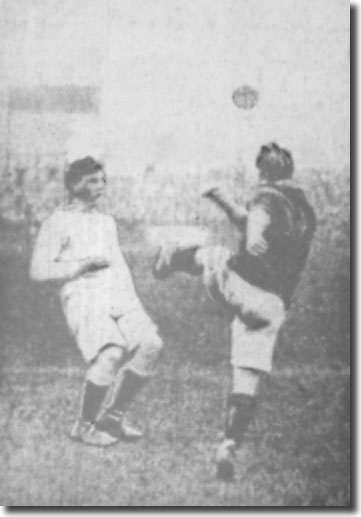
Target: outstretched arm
{"points": [[258, 219], [236, 213]]}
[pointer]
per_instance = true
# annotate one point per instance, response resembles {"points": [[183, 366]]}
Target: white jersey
{"points": [[71, 235]]}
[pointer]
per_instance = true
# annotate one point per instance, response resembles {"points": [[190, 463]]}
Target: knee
{"points": [[105, 365], [155, 345], [152, 348], [246, 380], [146, 358]]}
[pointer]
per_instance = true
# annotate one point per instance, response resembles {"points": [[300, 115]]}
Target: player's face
{"points": [[92, 187]]}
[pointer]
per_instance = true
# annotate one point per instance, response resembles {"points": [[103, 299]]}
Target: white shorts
{"points": [[260, 313], [253, 346], [93, 326]]}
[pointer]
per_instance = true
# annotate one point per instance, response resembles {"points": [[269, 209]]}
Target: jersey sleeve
{"points": [[262, 201], [45, 264]]}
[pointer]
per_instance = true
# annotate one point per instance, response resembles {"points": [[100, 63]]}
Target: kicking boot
{"points": [[79, 428], [114, 424], [98, 438], [225, 457]]}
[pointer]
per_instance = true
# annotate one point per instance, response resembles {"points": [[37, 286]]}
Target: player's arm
{"points": [[45, 265], [235, 212]]}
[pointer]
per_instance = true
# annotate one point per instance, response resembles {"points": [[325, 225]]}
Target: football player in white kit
{"points": [[77, 248]]}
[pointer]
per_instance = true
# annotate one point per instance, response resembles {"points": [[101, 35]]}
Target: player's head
{"points": [[274, 163], [85, 179]]}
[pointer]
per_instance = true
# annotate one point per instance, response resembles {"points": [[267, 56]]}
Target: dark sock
{"points": [[184, 261], [94, 395], [130, 386], [240, 413]]}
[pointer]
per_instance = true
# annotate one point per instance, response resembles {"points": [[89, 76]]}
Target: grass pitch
{"points": [[295, 454]]}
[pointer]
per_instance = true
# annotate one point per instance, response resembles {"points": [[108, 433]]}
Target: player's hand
{"points": [[217, 194]]}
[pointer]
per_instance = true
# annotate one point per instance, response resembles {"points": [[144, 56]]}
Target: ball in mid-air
{"points": [[245, 97]]}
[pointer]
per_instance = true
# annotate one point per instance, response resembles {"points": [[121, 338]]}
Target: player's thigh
{"points": [[234, 289], [92, 327], [257, 307]]}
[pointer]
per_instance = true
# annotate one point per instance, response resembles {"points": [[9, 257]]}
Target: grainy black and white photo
{"points": [[175, 253]]}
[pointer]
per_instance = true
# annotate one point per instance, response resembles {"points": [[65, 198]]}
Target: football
{"points": [[245, 97]]}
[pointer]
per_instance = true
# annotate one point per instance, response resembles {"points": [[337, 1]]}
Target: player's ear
{"points": [[78, 186]]}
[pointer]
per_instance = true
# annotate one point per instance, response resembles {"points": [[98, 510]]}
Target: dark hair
{"points": [[274, 163], [80, 168]]}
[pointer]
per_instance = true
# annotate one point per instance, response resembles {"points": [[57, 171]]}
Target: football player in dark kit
{"points": [[256, 283]]}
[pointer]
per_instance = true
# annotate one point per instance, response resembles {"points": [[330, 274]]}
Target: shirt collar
{"points": [[77, 205]]}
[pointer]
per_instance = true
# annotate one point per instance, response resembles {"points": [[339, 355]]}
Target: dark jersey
{"points": [[289, 236]]}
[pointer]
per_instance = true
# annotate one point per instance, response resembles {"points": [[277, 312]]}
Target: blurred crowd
{"points": [[32, 188], [31, 191]]}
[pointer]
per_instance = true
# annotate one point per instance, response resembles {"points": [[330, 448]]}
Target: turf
{"points": [[297, 453]]}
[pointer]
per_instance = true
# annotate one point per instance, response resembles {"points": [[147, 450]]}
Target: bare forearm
{"points": [[237, 214]]}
